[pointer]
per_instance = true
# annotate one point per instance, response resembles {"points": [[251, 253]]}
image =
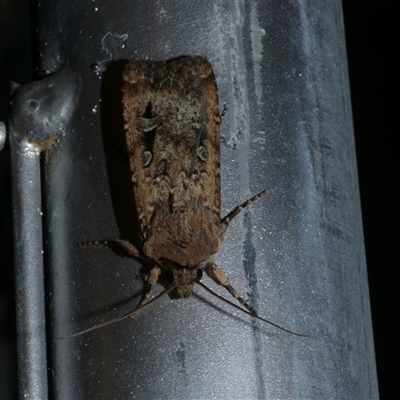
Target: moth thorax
{"points": [[185, 278]]}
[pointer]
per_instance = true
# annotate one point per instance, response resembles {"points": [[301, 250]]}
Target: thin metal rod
{"points": [[41, 112]]}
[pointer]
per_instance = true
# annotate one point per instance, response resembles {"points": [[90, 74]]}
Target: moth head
{"points": [[185, 278]]}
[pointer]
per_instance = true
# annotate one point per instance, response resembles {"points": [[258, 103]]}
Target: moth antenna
{"points": [[131, 314], [247, 312]]}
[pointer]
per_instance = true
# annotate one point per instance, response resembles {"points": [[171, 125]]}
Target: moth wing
{"points": [[172, 121]]}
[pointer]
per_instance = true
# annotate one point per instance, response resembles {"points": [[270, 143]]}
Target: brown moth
{"points": [[172, 128]]}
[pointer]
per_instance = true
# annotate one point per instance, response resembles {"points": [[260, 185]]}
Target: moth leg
{"points": [[153, 278], [226, 220], [218, 276], [129, 247]]}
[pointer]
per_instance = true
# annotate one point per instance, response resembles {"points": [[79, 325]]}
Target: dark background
{"points": [[372, 46]]}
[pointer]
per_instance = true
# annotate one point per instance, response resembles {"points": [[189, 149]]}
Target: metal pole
{"points": [[297, 254], [40, 114]]}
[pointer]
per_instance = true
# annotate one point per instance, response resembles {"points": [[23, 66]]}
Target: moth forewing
{"points": [[175, 162]]}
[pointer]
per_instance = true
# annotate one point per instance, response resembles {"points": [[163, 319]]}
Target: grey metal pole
{"points": [[297, 254], [40, 114]]}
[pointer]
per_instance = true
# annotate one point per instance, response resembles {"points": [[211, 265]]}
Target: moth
{"points": [[172, 128]]}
